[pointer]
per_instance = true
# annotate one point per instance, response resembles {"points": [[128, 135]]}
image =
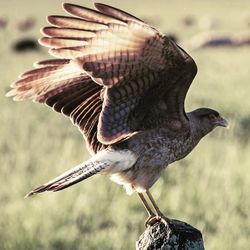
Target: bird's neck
{"points": [[197, 131]]}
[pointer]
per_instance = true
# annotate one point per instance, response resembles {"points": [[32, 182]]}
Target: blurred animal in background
{"points": [[26, 24], [188, 21], [204, 40], [242, 40], [25, 45], [215, 39], [3, 23], [123, 84]]}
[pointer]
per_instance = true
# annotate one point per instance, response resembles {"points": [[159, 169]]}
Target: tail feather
{"points": [[105, 161], [74, 175]]}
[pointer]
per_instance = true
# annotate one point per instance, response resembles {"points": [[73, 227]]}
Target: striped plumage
{"points": [[123, 83], [117, 61]]}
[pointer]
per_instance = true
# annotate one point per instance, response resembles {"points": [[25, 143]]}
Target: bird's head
{"points": [[207, 119]]}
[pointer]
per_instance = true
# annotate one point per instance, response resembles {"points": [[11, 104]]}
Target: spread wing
{"points": [[111, 69]]}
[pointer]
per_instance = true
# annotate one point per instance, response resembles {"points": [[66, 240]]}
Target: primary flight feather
{"points": [[123, 83]]}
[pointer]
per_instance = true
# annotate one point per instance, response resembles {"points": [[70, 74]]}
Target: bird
{"points": [[123, 83]]}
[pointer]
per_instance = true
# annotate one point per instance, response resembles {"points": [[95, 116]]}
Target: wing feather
{"points": [[75, 23], [111, 69], [61, 42], [72, 33], [50, 62], [89, 14], [114, 12]]}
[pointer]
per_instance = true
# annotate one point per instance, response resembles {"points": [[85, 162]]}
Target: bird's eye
{"points": [[212, 117]]}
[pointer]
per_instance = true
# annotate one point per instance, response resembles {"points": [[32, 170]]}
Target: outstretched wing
{"points": [[68, 90], [112, 67]]}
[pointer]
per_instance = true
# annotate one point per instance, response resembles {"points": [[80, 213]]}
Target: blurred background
{"points": [[209, 189]]}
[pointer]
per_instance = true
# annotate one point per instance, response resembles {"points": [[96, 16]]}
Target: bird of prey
{"points": [[123, 83]]}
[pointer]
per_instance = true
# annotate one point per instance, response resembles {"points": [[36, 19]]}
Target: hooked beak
{"points": [[222, 122]]}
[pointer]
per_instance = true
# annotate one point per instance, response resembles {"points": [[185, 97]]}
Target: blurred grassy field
{"points": [[209, 189]]}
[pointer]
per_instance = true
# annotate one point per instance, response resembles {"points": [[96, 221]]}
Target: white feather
{"points": [[117, 160]]}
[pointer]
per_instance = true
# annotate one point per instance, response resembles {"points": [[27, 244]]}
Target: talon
{"points": [[152, 219], [164, 220]]}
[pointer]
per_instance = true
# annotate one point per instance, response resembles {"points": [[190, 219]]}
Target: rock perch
{"points": [[175, 235]]}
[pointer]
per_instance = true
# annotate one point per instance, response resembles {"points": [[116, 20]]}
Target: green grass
{"points": [[209, 189]]}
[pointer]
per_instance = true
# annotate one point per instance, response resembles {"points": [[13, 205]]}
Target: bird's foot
{"points": [[152, 219], [163, 218]]}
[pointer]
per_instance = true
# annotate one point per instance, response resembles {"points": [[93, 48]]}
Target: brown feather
{"points": [[112, 69], [56, 42], [67, 32], [75, 23], [114, 12], [89, 14]]}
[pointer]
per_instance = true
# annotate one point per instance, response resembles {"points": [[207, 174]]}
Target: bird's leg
{"points": [[147, 207], [151, 214], [156, 208]]}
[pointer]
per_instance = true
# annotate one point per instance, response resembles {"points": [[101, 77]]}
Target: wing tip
{"points": [[64, 5], [46, 42], [41, 40], [11, 93], [101, 6], [98, 4], [68, 6], [43, 31], [49, 18]]}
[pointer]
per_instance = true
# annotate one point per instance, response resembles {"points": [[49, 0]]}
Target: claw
{"points": [[152, 219], [165, 220], [148, 221]]}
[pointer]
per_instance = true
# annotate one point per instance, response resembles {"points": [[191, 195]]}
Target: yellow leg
{"points": [[147, 207], [160, 215], [156, 208], [151, 215]]}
